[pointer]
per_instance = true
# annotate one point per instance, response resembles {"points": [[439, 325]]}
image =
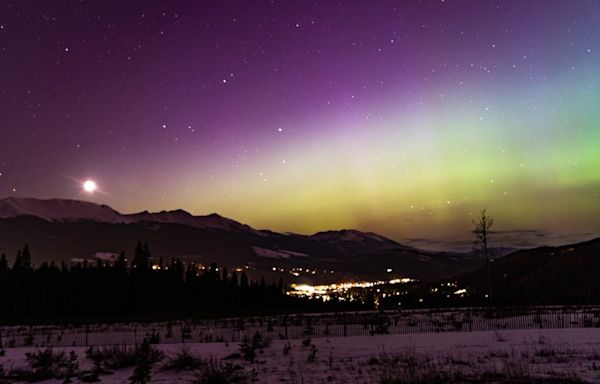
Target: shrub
{"points": [[381, 323], [260, 342], [153, 337], [306, 342], [28, 341], [312, 355], [515, 368], [183, 361], [248, 347], [122, 356], [412, 368], [144, 359], [47, 364], [215, 372], [115, 357], [98, 358], [247, 350]]}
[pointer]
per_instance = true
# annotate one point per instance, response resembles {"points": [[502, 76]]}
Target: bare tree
{"points": [[482, 234]]}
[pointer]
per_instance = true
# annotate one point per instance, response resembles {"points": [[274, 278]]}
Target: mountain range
{"points": [[62, 230]]}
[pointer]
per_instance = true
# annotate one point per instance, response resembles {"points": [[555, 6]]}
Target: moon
{"points": [[90, 186]]}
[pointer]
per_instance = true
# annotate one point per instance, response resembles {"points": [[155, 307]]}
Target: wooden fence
{"points": [[303, 326]]}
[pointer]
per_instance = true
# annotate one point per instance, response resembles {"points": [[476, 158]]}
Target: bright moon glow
{"points": [[89, 186]]}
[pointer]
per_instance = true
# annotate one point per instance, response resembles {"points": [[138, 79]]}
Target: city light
{"points": [[325, 291]]}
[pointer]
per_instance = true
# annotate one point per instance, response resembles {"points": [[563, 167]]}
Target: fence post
{"points": [[285, 324], [87, 334], [135, 334]]}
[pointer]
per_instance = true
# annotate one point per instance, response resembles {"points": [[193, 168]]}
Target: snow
{"points": [[543, 352], [60, 210], [179, 216], [278, 254], [106, 256], [350, 235], [426, 340], [63, 210], [316, 325]]}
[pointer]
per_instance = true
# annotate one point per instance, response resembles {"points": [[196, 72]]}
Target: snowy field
{"points": [[567, 355], [301, 326]]}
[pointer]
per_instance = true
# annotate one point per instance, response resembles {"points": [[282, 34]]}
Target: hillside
{"points": [[546, 275]]}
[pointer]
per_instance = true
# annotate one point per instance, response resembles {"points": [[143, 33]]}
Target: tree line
{"points": [[136, 291]]}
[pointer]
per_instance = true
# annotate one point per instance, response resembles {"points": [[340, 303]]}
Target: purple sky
{"points": [[403, 118]]}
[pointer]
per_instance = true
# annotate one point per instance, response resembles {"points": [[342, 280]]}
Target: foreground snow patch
{"points": [[563, 353]]}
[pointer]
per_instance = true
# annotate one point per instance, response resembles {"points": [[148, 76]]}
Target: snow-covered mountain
{"points": [[64, 210], [348, 235], [60, 210], [352, 236], [64, 229], [180, 216]]}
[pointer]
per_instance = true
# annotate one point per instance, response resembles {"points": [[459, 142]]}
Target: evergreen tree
{"points": [[23, 260], [3, 263], [190, 272], [213, 271], [234, 280], [18, 262], [244, 281], [26, 255], [121, 263], [147, 255], [176, 269], [87, 291], [141, 257], [143, 369], [137, 263]]}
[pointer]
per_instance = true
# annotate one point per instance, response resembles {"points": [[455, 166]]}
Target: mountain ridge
{"points": [[62, 211], [60, 230]]}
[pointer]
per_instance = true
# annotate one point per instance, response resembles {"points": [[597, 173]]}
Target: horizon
{"points": [[500, 239], [400, 119]]}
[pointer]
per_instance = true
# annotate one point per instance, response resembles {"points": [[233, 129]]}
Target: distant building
{"points": [[106, 258], [78, 260]]}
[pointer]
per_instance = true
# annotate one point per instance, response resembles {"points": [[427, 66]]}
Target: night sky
{"points": [[404, 118]]}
